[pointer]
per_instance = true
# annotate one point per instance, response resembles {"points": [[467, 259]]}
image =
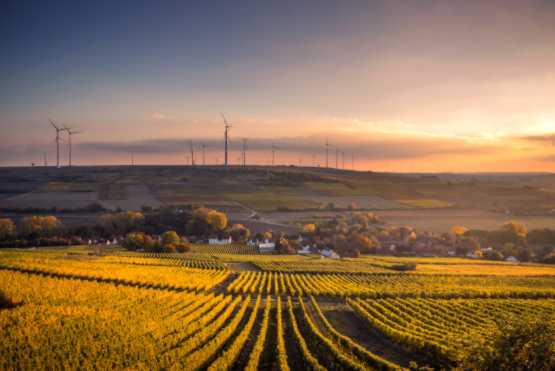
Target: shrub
{"points": [[409, 266], [168, 249], [5, 302]]}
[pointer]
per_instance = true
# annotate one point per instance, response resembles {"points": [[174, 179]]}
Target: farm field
{"points": [[425, 203], [138, 195], [204, 311], [360, 201], [443, 224], [271, 201]]}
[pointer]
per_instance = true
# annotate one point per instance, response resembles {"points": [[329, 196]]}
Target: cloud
{"points": [[549, 138], [157, 116]]}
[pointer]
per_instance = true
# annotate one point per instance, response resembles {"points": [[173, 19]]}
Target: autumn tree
{"points": [[7, 229], [133, 241], [356, 254], [170, 238], [364, 223], [148, 244], [42, 226], [352, 206], [514, 227], [216, 219], [404, 231], [458, 230], [168, 249]]}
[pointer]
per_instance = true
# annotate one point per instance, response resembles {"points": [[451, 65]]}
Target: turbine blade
{"points": [[53, 124]]}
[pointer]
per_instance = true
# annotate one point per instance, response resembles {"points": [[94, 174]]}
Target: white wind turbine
{"points": [[57, 140], [75, 132]]}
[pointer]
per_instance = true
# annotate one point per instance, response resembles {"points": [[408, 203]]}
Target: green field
{"points": [[271, 201]]}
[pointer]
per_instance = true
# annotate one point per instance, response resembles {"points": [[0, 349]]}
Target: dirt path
{"points": [[345, 321]]}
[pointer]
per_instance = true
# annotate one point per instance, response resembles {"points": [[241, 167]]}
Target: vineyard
{"points": [[235, 249], [159, 311]]}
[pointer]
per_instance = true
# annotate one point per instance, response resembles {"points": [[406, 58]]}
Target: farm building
{"points": [[512, 259], [269, 244], [328, 254]]}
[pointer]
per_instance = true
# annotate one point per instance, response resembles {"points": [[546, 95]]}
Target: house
{"points": [[422, 250], [451, 251], [304, 249], [389, 240], [328, 254], [388, 250], [471, 255], [268, 244], [493, 245], [225, 240], [439, 250], [512, 259], [314, 249], [484, 249], [100, 241], [86, 241], [156, 238], [115, 240], [425, 240], [252, 241], [213, 239]]}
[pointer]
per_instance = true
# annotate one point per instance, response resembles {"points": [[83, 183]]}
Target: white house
{"points": [[304, 249], [484, 249], [213, 239], [471, 255], [268, 244], [252, 241], [328, 254], [451, 251], [512, 259]]}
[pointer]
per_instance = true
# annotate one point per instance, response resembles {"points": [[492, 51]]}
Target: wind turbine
{"points": [[313, 159], [273, 157], [192, 153], [343, 159], [245, 150], [327, 145], [268, 162], [336, 151], [226, 137], [241, 157], [203, 147], [187, 157], [216, 158], [57, 140], [300, 161], [75, 132], [353, 162]]}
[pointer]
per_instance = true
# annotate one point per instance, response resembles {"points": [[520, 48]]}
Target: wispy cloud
{"points": [[157, 116]]}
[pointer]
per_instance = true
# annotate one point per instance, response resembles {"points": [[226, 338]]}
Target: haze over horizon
{"points": [[466, 85]]}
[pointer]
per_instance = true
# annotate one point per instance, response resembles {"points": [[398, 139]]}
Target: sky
{"points": [[401, 86]]}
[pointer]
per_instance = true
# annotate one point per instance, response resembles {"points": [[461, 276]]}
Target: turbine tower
{"points": [[327, 145], [187, 157], [273, 157], [313, 160], [216, 158], [300, 161], [353, 162], [245, 147], [343, 159], [203, 147], [192, 153], [57, 140], [226, 137], [336, 152], [75, 132]]}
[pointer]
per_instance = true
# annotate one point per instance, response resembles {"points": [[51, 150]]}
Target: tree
{"points": [[309, 228], [7, 228], [148, 244], [352, 206], [170, 238], [364, 223], [43, 226], [216, 219], [404, 231], [168, 249], [330, 206], [356, 254], [478, 253], [514, 344], [76, 241], [458, 230], [524, 255], [514, 227], [411, 241], [493, 255], [184, 247], [133, 241]]}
